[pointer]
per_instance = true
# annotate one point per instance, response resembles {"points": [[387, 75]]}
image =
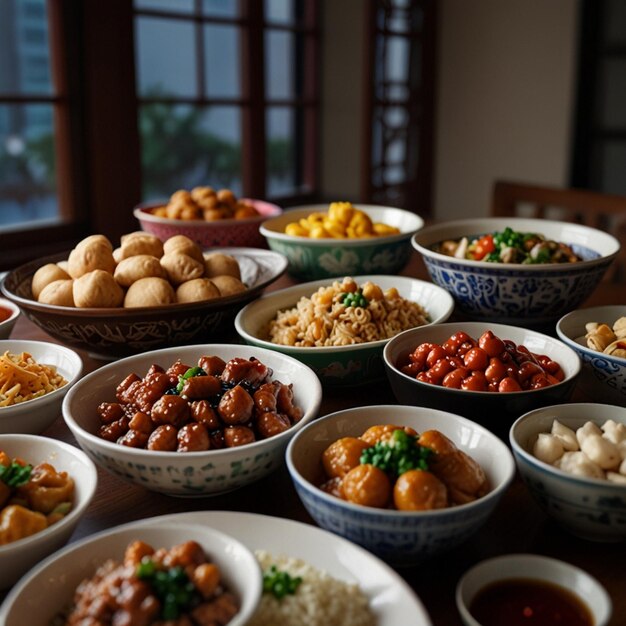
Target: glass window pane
{"points": [[280, 64], [171, 6], [615, 21], [27, 164], [184, 146], [24, 51], [223, 64], [286, 12], [166, 54], [221, 8], [283, 164], [614, 88], [397, 67]]}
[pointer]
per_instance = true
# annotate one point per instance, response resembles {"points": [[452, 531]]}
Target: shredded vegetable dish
{"points": [[509, 246]]}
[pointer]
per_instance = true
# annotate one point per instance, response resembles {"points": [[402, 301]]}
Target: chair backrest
{"points": [[598, 210]]}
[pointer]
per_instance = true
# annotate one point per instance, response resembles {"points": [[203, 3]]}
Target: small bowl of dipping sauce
{"points": [[523, 589]]}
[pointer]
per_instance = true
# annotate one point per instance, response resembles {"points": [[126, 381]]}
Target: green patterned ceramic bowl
{"points": [[312, 259], [203, 473], [339, 365]]}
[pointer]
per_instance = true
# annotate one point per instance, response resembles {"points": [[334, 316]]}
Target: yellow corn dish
{"points": [[342, 221]]}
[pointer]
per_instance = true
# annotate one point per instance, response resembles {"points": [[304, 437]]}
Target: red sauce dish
{"points": [[5, 313], [487, 364]]}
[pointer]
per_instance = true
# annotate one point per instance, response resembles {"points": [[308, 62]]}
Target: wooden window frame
{"points": [[417, 189], [97, 143]]}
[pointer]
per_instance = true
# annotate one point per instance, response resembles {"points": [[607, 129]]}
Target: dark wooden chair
{"points": [[599, 210]]}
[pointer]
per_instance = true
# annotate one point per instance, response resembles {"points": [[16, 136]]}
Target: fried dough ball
{"points": [[45, 275], [59, 292], [139, 266], [219, 264], [228, 285], [140, 243], [184, 245], [181, 267], [97, 289], [464, 477], [90, 256], [343, 455], [197, 290], [151, 291], [417, 490], [99, 239], [367, 485], [383, 432]]}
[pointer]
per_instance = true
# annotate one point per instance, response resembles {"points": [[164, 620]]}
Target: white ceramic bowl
{"points": [[190, 473], [7, 325], [19, 556], [591, 508], [312, 259], [535, 567], [496, 410], [339, 365], [518, 294], [49, 588], [34, 416], [603, 376], [400, 537]]}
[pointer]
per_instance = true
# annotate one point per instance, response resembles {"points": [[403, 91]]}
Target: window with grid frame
{"points": [[227, 96], [73, 141]]}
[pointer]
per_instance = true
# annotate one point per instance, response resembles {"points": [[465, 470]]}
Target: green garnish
{"points": [[190, 373], [15, 475], [171, 586], [356, 299], [280, 583], [400, 454]]}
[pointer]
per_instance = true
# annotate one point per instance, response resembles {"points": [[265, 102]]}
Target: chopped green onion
{"points": [[400, 454], [190, 373], [279, 583], [15, 475], [172, 587]]}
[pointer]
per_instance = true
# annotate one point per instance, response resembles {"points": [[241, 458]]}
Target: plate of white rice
{"points": [[342, 584]]}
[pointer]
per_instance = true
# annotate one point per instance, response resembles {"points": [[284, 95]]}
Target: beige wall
{"points": [[343, 31], [505, 94], [504, 99]]}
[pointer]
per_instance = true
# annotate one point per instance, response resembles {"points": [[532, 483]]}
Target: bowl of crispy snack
{"points": [[208, 217]]}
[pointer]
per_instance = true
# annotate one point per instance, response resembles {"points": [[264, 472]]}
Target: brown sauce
{"points": [[5, 313], [525, 602]]}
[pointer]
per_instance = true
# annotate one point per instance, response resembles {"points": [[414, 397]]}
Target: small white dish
{"points": [[6, 326], [19, 556], [538, 568], [34, 416]]}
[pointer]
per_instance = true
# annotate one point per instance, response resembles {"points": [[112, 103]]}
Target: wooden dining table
{"points": [[518, 525]]}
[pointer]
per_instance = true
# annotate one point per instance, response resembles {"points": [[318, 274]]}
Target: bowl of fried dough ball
{"points": [[143, 294], [210, 217], [404, 482]]}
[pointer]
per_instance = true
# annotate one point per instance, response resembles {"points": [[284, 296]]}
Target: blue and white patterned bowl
{"points": [[602, 376], [402, 538], [517, 294], [311, 259], [590, 508], [191, 474]]}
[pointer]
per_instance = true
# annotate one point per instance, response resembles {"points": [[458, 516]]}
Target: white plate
{"points": [[391, 598]]}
